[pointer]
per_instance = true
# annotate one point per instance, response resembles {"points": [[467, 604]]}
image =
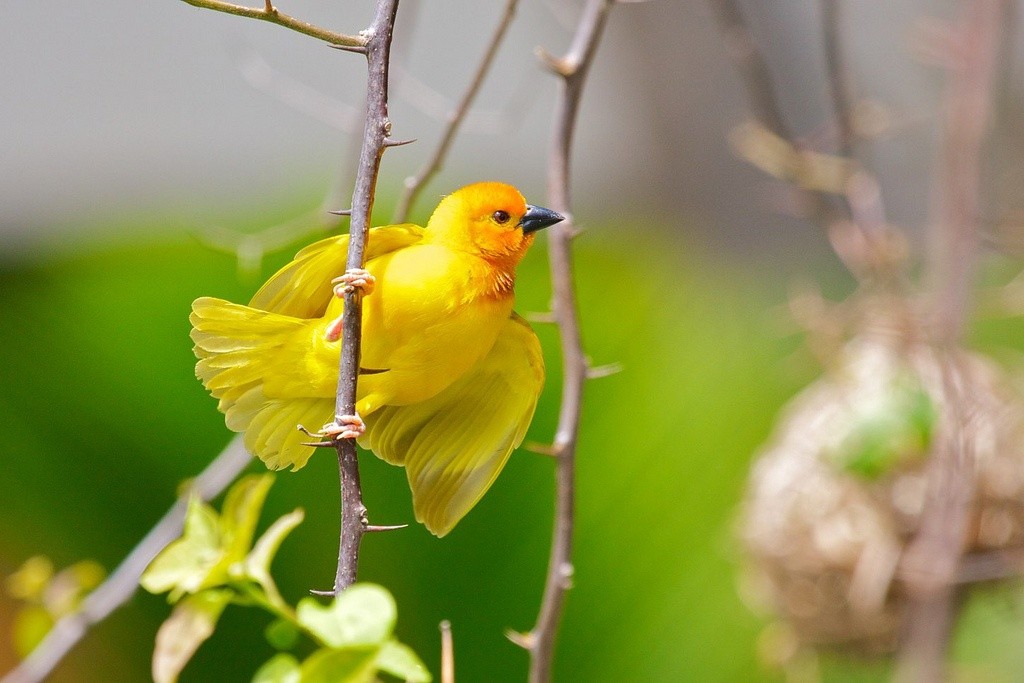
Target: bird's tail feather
{"points": [[240, 351]]}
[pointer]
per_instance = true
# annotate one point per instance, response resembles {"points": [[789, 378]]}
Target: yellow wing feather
{"points": [[300, 289], [237, 347], [455, 444]]}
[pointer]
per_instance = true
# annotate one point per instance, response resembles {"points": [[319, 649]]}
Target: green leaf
{"points": [[31, 625], [348, 665], [185, 565], [257, 564], [890, 432], [363, 615], [281, 634], [281, 668], [31, 579], [241, 512], [401, 662], [191, 622]]}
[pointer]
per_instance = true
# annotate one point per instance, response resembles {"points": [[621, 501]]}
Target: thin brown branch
{"points": [[572, 73], [839, 87], [415, 183], [271, 14], [376, 135], [934, 556], [752, 66], [123, 582]]}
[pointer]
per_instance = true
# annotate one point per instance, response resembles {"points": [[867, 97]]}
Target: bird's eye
{"points": [[500, 217]]}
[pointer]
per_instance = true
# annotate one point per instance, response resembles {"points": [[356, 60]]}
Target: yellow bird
{"points": [[451, 374]]}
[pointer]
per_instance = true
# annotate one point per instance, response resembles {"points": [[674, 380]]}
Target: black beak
{"points": [[537, 218]]}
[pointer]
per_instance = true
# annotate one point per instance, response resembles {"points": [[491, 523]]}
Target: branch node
{"points": [[566, 571]]}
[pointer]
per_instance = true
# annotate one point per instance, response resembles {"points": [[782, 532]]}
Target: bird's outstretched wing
{"points": [[455, 444], [302, 289]]}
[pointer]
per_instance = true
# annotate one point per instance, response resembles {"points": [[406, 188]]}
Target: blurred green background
{"points": [[131, 148], [104, 418]]}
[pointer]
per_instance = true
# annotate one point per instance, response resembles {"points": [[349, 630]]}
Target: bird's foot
{"points": [[354, 279], [333, 331], [344, 427]]}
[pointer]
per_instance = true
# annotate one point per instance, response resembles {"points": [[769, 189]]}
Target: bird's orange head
{"points": [[489, 219]]}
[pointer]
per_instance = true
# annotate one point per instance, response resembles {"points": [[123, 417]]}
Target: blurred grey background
{"points": [[134, 106]]}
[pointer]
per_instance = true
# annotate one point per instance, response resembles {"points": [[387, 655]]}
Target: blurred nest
{"points": [[839, 491]]}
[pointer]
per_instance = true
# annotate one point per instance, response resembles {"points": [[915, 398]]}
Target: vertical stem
{"points": [[957, 196], [375, 140], [831, 17], [573, 70], [933, 557]]}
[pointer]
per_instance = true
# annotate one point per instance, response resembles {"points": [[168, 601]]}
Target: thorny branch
{"points": [[124, 581], [376, 138], [271, 14], [572, 71], [932, 560], [415, 183]]}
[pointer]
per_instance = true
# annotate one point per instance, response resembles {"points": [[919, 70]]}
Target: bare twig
{"points": [[447, 653], [124, 581], [753, 67], [271, 14], [933, 558], [572, 71], [415, 183], [831, 14], [761, 93], [376, 138]]}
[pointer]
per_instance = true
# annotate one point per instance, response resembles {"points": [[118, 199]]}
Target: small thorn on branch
{"points": [[544, 317], [556, 65], [319, 444], [599, 371], [523, 640], [269, 7], [552, 450], [357, 49], [340, 212], [392, 142], [329, 593], [375, 528]]}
